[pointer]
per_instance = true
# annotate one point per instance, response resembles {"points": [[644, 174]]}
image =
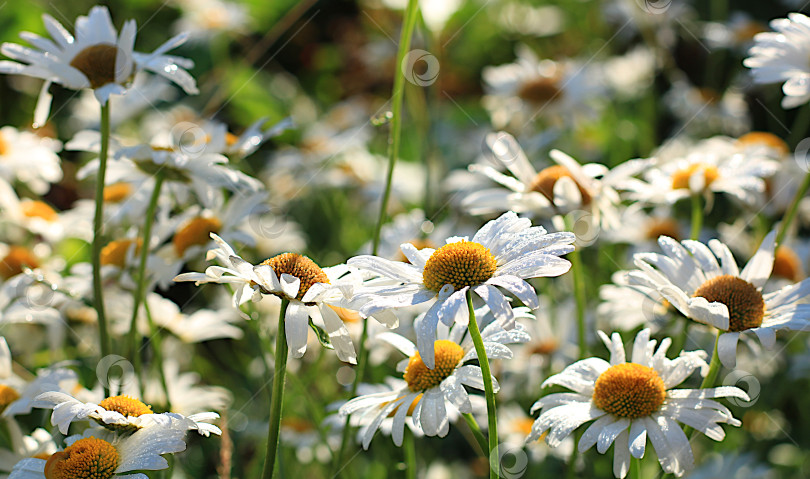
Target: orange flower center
{"points": [[657, 227], [460, 264], [299, 266], [745, 304], [97, 62], [88, 458], [3, 145], [7, 396], [756, 138], [115, 252], [39, 209], [629, 390], [16, 260], [196, 232], [787, 264], [126, 406], [420, 378], [117, 192], [544, 183], [681, 177]]}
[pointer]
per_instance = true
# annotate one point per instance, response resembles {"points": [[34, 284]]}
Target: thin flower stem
{"points": [[98, 223], [409, 23], [635, 468], [697, 216], [790, 214], [480, 351], [278, 394], [140, 289], [410, 455], [476, 431], [579, 295]]}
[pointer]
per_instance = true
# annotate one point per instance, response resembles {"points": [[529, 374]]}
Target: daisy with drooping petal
{"points": [[310, 290], [102, 454], [705, 284], [119, 414], [784, 56], [427, 391], [97, 57], [634, 401], [502, 254]]}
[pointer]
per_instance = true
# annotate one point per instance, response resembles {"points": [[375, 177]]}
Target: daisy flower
{"points": [[30, 159], [634, 401], [555, 190], [502, 254], [716, 165], [119, 414], [310, 290], [705, 284], [101, 453], [428, 391], [97, 57], [782, 56]]}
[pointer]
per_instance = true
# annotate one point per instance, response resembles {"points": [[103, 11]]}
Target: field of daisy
{"points": [[404, 239]]}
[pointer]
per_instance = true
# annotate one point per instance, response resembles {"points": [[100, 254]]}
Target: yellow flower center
{"points": [[299, 266], [196, 232], [39, 209], [629, 390], [297, 424], [459, 264], [544, 183], [541, 90], [523, 425], [657, 227], [787, 264], [756, 138], [88, 458], [117, 192], [115, 252], [16, 260], [709, 95], [746, 308], [3, 145], [681, 177], [545, 347], [97, 62], [420, 378], [126, 406], [7, 396]]}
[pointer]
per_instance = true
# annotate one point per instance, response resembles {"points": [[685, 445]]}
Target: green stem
{"points": [[98, 223], [409, 22], [635, 468], [140, 288], [476, 431], [579, 295], [697, 216], [278, 394], [801, 123], [478, 341], [790, 214], [396, 110], [410, 455]]}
